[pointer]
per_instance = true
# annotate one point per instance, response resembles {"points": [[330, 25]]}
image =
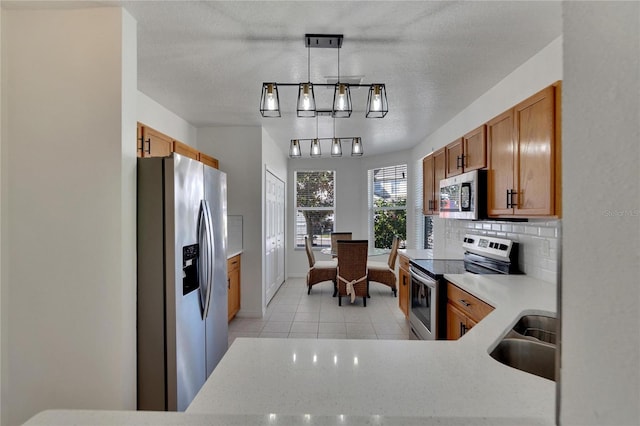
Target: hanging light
{"points": [[336, 147], [294, 149], [306, 100], [356, 147], [377, 106], [315, 148], [306, 105], [270, 102], [336, 144], [341, 101]]}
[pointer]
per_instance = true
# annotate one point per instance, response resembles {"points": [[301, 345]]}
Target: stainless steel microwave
{"points": [[464, 196]]}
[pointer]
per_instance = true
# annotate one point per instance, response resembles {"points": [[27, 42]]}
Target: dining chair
{"points": [[385, 273], [335, 236], [352, 270], [319, 270]]}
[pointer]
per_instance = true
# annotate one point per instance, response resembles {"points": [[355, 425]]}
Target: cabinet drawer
{"points": [[404, 262], [475, 308], [233, 263]]}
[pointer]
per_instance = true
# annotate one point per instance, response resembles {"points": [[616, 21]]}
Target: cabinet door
{"points": [[456, 322], [404, 280], [208, 160], [474, 149], [535, 168], [155, 144], [500, 147], [439, 173], [454, 158], [184, 149], [233, 284], [139, 141], [427, 185]]}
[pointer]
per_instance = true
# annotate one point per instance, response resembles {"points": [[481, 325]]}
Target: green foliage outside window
{"points": [[388, 223]]}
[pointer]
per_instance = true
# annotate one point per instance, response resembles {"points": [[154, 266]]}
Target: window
{"points": [[388, 205], [315, 207]]}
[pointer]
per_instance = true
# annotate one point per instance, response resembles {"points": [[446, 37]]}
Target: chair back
{"points": [[310, 256], [394, 252], [335, 236], [352, 259]]}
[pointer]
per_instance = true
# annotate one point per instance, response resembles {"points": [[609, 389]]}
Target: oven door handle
{"points": [[422, 278]]}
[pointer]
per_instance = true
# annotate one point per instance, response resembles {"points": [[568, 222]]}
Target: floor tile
{"points": [[277, 326], [304, 327], [295, 314], [293, 335]]}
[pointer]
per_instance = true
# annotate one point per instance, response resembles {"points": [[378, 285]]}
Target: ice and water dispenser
{"points": [[189, 269]]}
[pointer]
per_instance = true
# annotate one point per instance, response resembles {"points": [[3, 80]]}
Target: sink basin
{"points": [[530, 346], [537, 358]]}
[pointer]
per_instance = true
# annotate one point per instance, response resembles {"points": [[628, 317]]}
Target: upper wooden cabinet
{"points": [[152, 143], [186, 150], [521, 142], [208, 160], [467, 153], [433, 170]]}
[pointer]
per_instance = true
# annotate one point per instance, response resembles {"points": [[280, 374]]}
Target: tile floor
{"points": [[294, 314]]}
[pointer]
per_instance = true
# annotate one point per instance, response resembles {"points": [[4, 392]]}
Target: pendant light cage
{"points": [[294, 149], [341, 101], [306, 100], [270, 101], [377, 106], [356, 147]]}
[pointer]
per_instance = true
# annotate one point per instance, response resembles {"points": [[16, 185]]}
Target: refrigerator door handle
{"points": [[208, 258], [204, 270]]}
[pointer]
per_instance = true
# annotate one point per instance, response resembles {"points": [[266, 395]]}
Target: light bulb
{"points": [[315, 148], [341, 98], [271, 100], [306, 103]]}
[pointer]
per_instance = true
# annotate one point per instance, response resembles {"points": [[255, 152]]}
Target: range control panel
{"points": [[496, 248]]}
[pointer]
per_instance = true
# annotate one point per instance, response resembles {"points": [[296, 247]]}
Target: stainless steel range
{"points": [[483, 255]]}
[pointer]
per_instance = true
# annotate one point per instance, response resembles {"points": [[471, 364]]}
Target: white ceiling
{"points": [[206, 60]]}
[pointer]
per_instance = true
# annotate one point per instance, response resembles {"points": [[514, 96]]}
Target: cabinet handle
{"points": [[404, 280], [464, 329], [148, 141], [229, 283], [460, 161], [465, 303], [510, 194]]}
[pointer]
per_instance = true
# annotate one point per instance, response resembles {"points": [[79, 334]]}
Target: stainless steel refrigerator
{"points": [[182, 279]]}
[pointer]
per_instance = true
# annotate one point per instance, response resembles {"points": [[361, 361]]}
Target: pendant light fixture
{"points": [[270, 102], [315, 143], [377, 106], [356, 147], [341, 107], [336, 144], [294, 149]]}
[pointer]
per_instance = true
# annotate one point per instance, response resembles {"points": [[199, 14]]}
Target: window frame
{"points": [[372, 210], [297, 209]]}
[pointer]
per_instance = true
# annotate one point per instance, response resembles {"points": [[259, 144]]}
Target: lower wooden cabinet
{"points": [[233, 284], [463, 311], [404, 281]]}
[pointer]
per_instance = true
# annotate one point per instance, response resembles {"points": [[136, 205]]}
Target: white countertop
{"points": [[232, 253], [429, 254], [357, 382]]}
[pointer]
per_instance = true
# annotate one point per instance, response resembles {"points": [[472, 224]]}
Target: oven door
{"points": [[424, 305]]}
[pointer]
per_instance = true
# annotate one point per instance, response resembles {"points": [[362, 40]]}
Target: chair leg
{"points": [[395, 292], [339, 300], [364, 301], [335, 289], [308, 289]]}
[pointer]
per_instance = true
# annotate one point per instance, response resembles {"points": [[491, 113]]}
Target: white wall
{"points": [[68, 203], [239, 151], [600, 376], [161, 119]]}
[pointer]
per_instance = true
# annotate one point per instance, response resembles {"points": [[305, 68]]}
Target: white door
{"points": [[274, 234]]}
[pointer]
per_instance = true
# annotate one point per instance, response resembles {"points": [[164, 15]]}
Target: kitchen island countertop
{"points": [[357, 382]]}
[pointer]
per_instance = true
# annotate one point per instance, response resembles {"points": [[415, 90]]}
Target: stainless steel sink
{"points": [[530, 346]]}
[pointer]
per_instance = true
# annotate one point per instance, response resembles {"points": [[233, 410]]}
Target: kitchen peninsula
{"points": [[308, 381]]}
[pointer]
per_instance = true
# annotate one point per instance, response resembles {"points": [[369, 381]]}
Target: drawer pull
{"points": [[465, 303]]}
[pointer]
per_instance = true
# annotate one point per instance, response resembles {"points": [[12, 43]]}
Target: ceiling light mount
{"points": [[377, 106]]}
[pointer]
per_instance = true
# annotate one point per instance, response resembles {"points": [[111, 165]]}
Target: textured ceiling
{"points": [[206, 60]]}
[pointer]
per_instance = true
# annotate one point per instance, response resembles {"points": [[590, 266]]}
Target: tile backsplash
{"points": [[538, 241]]}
